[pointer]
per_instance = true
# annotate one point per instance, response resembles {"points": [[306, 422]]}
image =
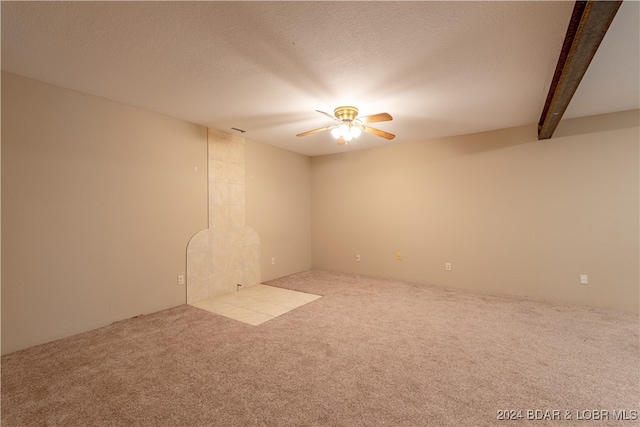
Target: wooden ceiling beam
{"points": [[589, 23]]}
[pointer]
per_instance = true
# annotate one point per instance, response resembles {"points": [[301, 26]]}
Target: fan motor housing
{"points": [[346, 113]]}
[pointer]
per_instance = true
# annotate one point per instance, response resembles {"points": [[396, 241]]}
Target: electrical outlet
{"points": [[273, 260], [447, 266], [180, 280], [357, 257], [584, 279]]}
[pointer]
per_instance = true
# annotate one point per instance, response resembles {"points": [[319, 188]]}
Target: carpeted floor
{"points": [[370, 352]]}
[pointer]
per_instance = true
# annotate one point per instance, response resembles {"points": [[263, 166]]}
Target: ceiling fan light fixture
{"points": [[346, 131], [350, 126]]}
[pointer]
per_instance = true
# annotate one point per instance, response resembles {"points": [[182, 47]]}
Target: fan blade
{"points": [[328, 115], [309, 132], [378, 132], [375, 118]]}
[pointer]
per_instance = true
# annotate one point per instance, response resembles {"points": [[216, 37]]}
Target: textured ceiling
{"points": [[439, 68]]}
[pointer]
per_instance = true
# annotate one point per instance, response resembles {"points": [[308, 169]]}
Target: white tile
{"points": [[213, 305], [236, 313], [256, 318], [289, 303], [275, 310], [307, 297], [256, 304], [232, 298]]}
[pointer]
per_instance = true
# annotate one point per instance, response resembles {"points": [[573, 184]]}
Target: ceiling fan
{"points": [[350, 126]]}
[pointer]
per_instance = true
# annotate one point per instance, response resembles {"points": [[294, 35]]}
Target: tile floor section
{"points": [[257, 304]]}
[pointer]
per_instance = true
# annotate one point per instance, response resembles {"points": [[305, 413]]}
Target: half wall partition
{"points": [[227, 253]]}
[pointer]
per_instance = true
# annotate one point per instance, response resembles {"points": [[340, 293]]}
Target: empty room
{"points": [[326, 213]]}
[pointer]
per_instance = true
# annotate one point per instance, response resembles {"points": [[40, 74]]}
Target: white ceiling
{"points": [[439, 68]]}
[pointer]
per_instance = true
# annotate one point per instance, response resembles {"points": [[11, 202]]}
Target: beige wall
{"points": [[99, 201], [278, 207], [512, 214]]}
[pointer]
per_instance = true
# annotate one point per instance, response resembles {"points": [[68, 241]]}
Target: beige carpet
{"points": [[370, 352]]}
